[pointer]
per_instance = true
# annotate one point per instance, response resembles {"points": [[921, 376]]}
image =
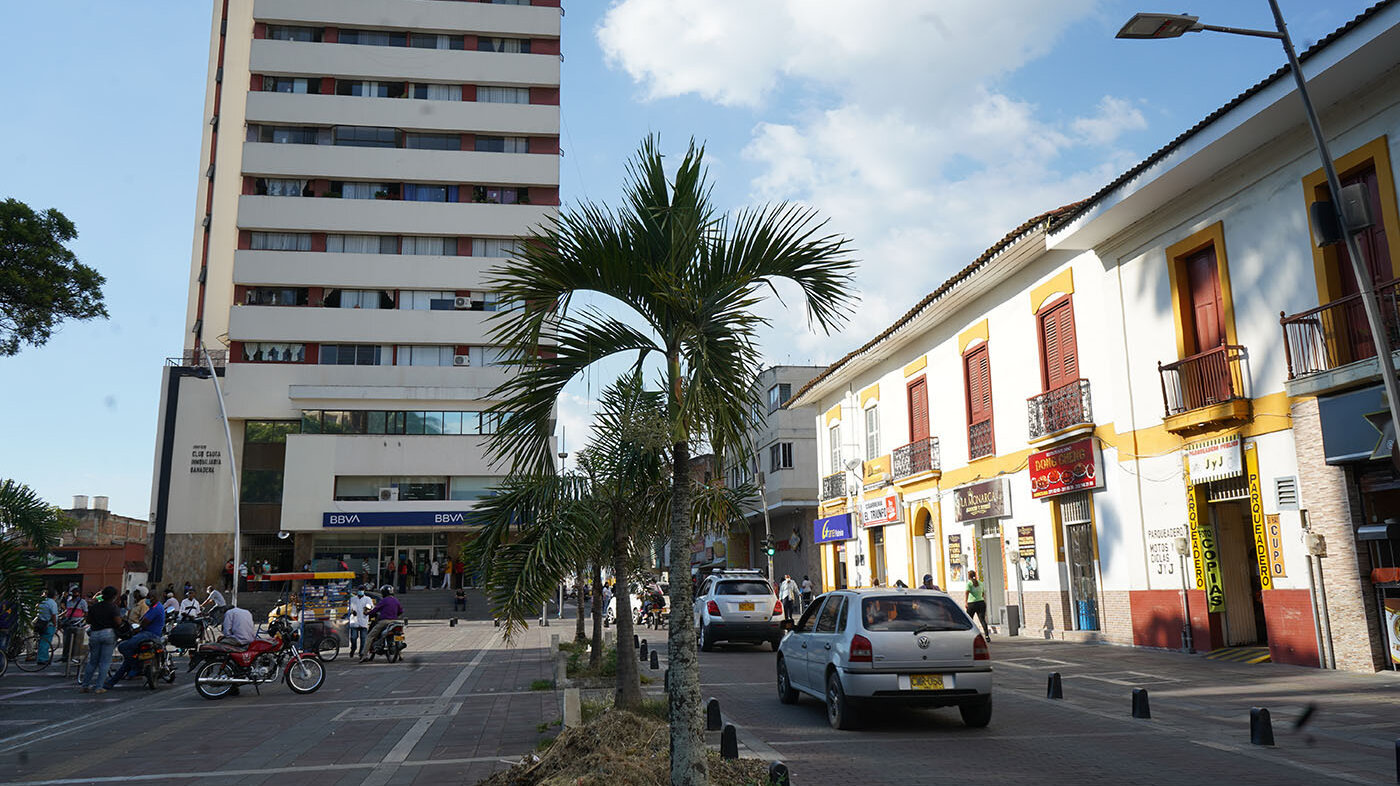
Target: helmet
{"points": [[139, 591], [386, 590]]}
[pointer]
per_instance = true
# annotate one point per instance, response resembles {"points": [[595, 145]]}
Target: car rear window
{"points": [[912, 612], [743, 587]]}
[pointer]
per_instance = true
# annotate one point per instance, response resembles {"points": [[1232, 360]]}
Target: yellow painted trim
{"points": [[833, 414], [1325, 267], [1271, 413], [875, 466], [917, 486], [871, 393], [918, 365], [1057, 523], [1194, 420], [973, 333], [1062, 283], [1213, 235], [909, 528]]}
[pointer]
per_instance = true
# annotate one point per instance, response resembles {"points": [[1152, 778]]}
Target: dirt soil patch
{"points": [[619, 748]]}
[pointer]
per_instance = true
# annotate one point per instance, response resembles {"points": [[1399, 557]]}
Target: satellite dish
{"points": [[283, 535]]}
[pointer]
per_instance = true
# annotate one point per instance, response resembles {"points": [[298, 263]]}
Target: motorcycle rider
{"points": [[387, 610], [152, 625], [189, 607]]}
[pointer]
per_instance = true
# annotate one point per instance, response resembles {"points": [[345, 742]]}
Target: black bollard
{"points": [[1261, 729], [655, 661], [642, 652], [635, 642], [1397, 761], [712, 719], [452, 623], [666, 680], [495, 623], [729, 742], [778, 774], [1053, 689], [1140, 706]]}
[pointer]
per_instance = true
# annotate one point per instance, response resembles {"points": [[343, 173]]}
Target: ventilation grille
{"points": [[1232, 488], [1286, 493], [1076, 508]]}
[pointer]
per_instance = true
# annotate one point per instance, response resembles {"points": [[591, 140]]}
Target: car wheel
{"points": [[707, 641], [978, 713], [838, 707], [786, 693], [775, 644]]}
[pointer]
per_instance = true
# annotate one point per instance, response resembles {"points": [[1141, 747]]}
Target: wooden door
{"points": [[1372, 242], [1236, 544], [1207, 323], [1059, 350], [918, 409]]}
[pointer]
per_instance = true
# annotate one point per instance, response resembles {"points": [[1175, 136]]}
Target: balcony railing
{"points": [[194, 357], [916, 457], [1059, 409], [1203, 379], [834, 486], [1335, 334], [979, 440]]}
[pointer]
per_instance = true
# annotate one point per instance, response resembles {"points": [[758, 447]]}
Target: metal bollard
{"points": [[642, 652], [729, 742], [635, 641], [1261, 729], [778, 774], [1053, 689], [712, 718], [495, 623], [1140, 705], [1397, 761], [655, 661], [452, 623]]}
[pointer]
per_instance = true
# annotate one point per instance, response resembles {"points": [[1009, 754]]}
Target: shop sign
{"points": [[53, 560], [1256, 513], [1025, 544], [881, 510], [1274, 530], [985, 500], [1161, 549], [1066, 468], [1392, 627], [832, 528], [1214, 459], [401, 518], [955, 558], [1203, 547]]}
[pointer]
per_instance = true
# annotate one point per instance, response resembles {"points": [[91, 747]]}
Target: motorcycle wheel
{"points": [[393, 655], [213, 668], [150, 674], [305, 675], [328, 648]]}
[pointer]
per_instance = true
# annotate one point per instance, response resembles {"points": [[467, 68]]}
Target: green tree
{"points": [[42, 283], [688, 278], [27, 523]]}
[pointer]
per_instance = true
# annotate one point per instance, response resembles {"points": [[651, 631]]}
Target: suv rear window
{"points": [[743, 587], [910, 613]]}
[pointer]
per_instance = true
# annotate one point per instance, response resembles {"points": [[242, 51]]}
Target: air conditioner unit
{"points": [[461, 360], [461, 302], [390, 494]]}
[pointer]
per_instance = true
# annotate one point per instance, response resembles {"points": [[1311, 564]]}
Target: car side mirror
{"points": [[787, 625]]}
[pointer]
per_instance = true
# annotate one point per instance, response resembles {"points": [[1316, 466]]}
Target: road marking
{"points": [[932, 737], [1323, 772], [309, 769]]}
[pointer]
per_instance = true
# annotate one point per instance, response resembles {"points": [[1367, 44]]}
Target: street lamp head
{"points": [[1159, 26]]}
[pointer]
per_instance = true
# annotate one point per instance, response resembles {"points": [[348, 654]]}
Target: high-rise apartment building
{"points": [[364, 164]]}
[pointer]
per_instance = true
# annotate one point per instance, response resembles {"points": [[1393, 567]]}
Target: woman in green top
{"points": [[977, 601]]}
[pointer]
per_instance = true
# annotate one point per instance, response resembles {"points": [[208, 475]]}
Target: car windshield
{"points": [[911, 613], [743, 587]]}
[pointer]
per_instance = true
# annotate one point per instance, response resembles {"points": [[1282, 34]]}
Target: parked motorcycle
{"points": [[221, 666], [153, 661], [391, 645]]}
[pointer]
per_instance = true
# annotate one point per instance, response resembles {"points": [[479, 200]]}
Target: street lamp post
{"points": [[232, 471], [767, 525], [1146, 25]]}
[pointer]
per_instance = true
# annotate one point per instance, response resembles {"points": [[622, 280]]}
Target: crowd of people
{"points": [[403, 573]]}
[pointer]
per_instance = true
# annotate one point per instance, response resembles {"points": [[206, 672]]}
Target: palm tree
{"points": [[27, 523], [688, 279]]}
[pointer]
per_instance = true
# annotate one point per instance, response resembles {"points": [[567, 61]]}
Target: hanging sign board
{"points": [[985, 500], [832, 528], [1065, 468], [881, 510], [1214, 459], [1256, 511]]}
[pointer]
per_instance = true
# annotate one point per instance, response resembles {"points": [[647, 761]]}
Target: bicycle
{"points": [[24, 652]]}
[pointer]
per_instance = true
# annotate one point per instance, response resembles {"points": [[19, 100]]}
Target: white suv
{"points": [[738, 606]]}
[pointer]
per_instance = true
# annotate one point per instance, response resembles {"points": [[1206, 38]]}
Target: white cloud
{"points": [[1114, 117]]}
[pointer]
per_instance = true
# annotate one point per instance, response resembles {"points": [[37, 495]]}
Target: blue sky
{"points": [[924, 130]]}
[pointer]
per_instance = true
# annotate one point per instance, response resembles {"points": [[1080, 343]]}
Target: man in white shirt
{"points": [[172, 606], [433, 569], [358, 614], [189, 607], [214, 601], [787, 593], [238, 625]]}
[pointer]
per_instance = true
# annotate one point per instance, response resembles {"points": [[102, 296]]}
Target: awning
{"points": [[1387, 531]]}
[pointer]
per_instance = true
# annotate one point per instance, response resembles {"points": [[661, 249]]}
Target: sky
{"points": [[922, 130]]}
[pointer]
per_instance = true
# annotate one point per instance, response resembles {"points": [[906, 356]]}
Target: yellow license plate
{"points": [[745, 607], [926, 681]]}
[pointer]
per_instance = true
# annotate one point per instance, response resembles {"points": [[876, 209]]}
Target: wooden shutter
{"points": [[1371, 240], [1206, 320], [978, 373], [918, 409], [1060, 352]]}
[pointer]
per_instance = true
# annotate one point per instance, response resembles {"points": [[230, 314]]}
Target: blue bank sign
{"points": [[403, 518], [832, 528]]}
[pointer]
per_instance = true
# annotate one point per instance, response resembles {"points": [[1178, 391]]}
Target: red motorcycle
{"points": [[223, 667]]}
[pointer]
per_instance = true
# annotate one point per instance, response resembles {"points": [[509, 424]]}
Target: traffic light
{"points": [[768, 547]]}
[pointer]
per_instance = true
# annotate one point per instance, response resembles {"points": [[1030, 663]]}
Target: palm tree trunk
{"points": [[629, 688], [595, 656], [579, 633], [688, 765]]}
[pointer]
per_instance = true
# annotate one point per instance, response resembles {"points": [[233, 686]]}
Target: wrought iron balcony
{"points": [[979, 440], [916, 457], [834, 486], [1201, 384], [1059, 409], [1335, 334], [194, 358]]}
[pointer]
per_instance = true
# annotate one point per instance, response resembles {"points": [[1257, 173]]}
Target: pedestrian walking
{"points": [[228, 575], [45, 621], [403, 575], [787, 593], [243, 576], [102, 619], [364, 571], [136, 609], [807, 588], [446, 573], [358, 614], [977, 601], [434, 569]]}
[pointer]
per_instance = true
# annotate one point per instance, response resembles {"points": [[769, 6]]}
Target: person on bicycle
{"points": [[152, 625], [386, 611]]}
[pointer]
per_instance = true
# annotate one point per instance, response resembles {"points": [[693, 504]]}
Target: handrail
{"points": [[1337, 333], [1203, 379], [1059, 408]]}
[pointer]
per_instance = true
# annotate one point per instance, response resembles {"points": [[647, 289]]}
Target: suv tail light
{"points": [[778, 609], [862, 651], [979, 649], [713, 608]]}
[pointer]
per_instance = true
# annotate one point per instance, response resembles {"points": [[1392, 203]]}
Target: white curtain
{"points": [[495, 247], [423, 245], [361, 190], [354, 244], [280, 241], [281, 187], [503, 95], [267, 352], [444, 92]]}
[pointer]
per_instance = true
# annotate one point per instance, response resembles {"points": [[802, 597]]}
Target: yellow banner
{"points": [[1256, 512]]}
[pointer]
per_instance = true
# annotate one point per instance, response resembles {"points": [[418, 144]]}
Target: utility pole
{"points": [[767, 525]]}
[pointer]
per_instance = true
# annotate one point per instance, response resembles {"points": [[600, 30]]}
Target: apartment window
{"points": [[495, 247], [425, 300], [503, 95], [369, 89], [872, 432], [424, 355], [275, 296], [269, 432], [293, 33], [373, 38], [510, 2], [280, 241], [1059, 354], [293, 135], [260, 486], [493, 301], [496, 195], [502, 144], [432, 141], [429, 246], [977, 375], [429, 192], [362, 244], [274, 186], [358, 298], [833, 442], [777, 395], [273, 352], [366, 136], [507, 45], [780, 456], [435, 41], [918, 409], [365, 488], [354, 355], [362, 190], [436, 92], [291, 84], [472, 487]]}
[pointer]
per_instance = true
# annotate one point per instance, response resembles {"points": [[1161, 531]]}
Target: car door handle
{"points": [[804, 645]]}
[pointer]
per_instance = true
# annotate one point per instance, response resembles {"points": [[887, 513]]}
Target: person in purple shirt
{"points": [[385, 611], [152, 626]]}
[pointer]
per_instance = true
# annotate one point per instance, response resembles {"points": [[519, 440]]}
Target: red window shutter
{"points": [[1060, 353], [918, 410], [978, 373]]}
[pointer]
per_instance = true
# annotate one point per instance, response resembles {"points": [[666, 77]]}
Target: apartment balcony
{"points": [[1205, 390], [834, 486], [1331, 347], [917, 458], [980, 442], [453, 116], [402, 64], [1055, 414]]}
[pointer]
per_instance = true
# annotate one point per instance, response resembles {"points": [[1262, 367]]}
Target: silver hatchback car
{"points": [[880, 645]]}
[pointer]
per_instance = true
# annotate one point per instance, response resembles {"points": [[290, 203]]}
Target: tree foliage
{"points": [[27, 524], [42, 283]]}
